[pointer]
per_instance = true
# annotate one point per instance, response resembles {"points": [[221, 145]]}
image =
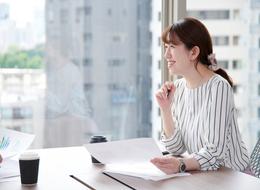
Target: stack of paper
{"points": [[11, 144], [130, 157]]}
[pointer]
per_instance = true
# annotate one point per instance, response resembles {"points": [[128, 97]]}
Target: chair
{"points": [[255, 160]]}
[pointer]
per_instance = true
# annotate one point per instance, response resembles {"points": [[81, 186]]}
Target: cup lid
{"points": [[29, 156]]}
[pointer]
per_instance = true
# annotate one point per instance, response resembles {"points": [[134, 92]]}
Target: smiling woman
{"points": [[198, 111]]}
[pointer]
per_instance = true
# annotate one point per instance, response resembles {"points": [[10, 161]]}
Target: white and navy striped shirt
{"points": [[206, 125]]}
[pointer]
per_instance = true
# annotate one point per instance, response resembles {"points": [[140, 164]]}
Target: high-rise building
{"points": [[4, 12], [104, 47], [21, 101], [251, 17], [234, 28]]}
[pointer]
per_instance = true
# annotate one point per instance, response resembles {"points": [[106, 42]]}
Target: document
{"points": [[8, 170], [13, 142], [130, 157]]}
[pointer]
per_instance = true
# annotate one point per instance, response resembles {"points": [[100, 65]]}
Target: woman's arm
{"points": [[171, 137], [171, 165]]}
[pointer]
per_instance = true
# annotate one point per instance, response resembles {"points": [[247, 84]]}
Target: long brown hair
{"points": [[191, 32]]}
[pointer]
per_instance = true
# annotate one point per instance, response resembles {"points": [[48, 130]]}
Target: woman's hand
{"points": [[164, 95], [169, 165], [1, 159]]}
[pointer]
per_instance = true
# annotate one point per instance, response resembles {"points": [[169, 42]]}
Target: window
{"points": [[209, 14], [220, 40], [116, 62], [82, 71], [236, 64], [258, 89], [235, 89], [236, 14], [117, 38], [87, 11], [88, 86], [224, 26], [159, 16], [223, 64], [87, 62], [235, 40], [109, 12], [64, 16], [87, 37]]}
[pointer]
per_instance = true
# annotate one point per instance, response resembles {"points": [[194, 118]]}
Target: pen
{"points": [[119, 181], [82, 182]]}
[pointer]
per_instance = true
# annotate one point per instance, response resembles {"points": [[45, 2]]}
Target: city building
{"points": [[234, 28], [108, 46], [22, 101]]}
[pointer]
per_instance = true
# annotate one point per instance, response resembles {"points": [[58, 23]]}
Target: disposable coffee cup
{"points": [[97, 139], [29, 167]]}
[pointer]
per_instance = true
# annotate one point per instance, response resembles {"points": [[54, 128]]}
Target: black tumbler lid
{"points": [[98, 138]]}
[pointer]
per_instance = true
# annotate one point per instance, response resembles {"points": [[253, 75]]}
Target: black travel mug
{"points": [[97, 139]]}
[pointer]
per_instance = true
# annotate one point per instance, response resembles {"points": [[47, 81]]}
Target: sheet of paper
{"points": [[13, 142], [143, 170], [130, 157], [132, 150], [9, 168]]}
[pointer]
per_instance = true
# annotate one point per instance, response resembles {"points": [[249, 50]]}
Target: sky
{"points": [[22, 11]]}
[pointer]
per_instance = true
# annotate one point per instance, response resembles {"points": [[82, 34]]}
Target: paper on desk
{"points": [[9, 168], [130, 157], [143, 170], [132, 150], [13, 142]]}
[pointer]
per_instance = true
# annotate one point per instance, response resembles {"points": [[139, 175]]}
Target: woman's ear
{"points": [[194, 53]]}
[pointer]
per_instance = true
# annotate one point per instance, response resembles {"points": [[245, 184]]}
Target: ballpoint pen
{"points": [[118, 181], [82, 182]]}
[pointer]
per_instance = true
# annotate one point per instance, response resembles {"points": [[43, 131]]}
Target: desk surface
{"points": [[57, 164]]}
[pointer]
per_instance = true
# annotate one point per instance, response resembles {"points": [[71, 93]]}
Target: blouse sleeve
{"points": [[174, 144], [211, 155]]}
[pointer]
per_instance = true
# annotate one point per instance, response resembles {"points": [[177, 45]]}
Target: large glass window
{"points": [[71, 69], [220, 40]]}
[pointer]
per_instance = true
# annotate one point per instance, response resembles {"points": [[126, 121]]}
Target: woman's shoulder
{"points": [[219, 80], [218, 83]]}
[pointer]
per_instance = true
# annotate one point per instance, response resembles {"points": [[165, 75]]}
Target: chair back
{"points": [[255, 160]]}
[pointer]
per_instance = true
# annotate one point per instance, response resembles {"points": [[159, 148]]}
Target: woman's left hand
{"points": [[168, 165]]}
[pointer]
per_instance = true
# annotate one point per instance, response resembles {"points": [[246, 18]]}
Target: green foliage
{"points": [[23, 59]]}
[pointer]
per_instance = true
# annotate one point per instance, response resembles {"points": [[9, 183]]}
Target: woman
{"points": [[198, 110]]}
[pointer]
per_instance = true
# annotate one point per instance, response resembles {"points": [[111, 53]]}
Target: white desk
{"points": [[58, 163]]}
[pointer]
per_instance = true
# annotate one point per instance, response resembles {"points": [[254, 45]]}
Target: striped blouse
{"points": [[206, 125]]}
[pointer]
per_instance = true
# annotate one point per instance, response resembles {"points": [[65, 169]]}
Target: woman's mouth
{"points": [[171, 63]]}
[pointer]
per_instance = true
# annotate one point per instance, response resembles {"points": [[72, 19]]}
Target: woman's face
{"points": [[178, 58]]}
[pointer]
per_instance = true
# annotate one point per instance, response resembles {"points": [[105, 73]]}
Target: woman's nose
{"points": [[167, 53]]}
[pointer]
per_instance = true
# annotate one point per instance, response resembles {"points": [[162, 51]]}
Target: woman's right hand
{"points": [[164, 96]]}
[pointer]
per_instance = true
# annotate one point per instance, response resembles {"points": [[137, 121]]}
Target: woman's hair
{"points": [[192, 32]]}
